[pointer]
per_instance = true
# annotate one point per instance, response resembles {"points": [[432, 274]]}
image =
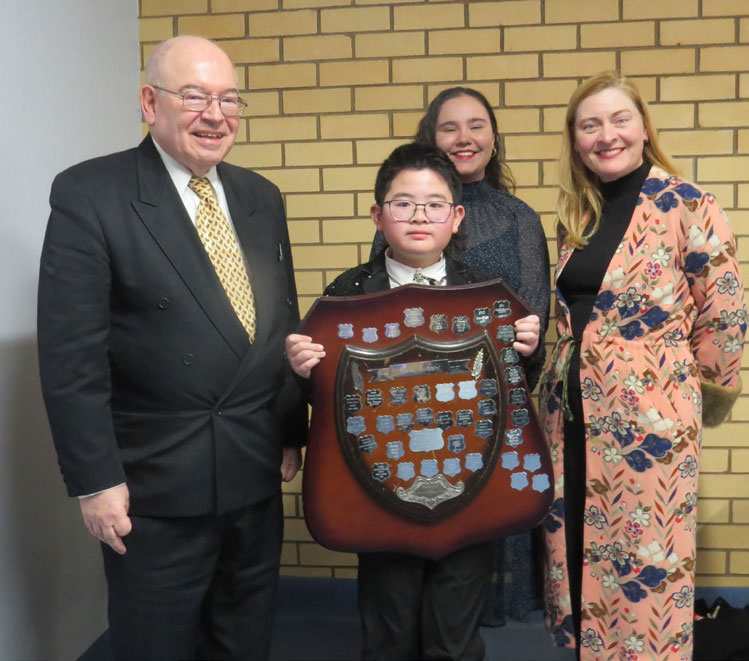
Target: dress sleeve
{"points": [[710, 264], [534, 283]]}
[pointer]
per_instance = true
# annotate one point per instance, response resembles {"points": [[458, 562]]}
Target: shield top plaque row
{"points": [[423, 436]]}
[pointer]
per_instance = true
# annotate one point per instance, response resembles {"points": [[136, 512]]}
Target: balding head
{"points": [[157, 65]]}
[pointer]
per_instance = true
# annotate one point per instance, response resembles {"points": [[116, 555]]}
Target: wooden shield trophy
{"points": [[423, 437]]}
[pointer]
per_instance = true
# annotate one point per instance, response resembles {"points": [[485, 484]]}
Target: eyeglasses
{"points": [[403, 211], [231, 106]]}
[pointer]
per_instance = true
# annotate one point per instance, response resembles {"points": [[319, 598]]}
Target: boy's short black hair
{"points": [[414, 156]]}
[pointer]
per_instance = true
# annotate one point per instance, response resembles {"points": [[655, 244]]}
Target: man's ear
{"points": [[148, 104]]}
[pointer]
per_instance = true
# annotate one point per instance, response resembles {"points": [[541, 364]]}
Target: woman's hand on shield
{"points": [[303, 354], [527, 332]]}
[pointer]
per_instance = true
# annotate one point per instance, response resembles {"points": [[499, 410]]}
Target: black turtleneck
{"points": [[582, 276]]}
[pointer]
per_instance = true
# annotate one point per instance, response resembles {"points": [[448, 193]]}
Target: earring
{"points": [[494, 151]]}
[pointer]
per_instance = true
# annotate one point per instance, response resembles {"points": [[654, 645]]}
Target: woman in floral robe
{"points": [[658, 352]]}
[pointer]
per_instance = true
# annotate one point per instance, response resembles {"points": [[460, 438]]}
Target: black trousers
{"points": [[415, 608], [574, 499], [196, 587]]}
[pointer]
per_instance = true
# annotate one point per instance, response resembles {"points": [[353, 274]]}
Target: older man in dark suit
{"points": [[166, 292]]}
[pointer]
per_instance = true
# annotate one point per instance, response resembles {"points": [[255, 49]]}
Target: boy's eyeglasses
{"points": [[402, 211]]}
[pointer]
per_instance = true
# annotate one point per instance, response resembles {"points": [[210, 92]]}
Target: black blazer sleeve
{"points": [[73, 333]]}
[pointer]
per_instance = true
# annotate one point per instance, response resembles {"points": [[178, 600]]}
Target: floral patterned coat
{"points": [[664, 340]]}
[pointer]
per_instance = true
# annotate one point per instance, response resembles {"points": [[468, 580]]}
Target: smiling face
{"points": [[417, 243], [197, 140], [609, 134], [464, 132]]}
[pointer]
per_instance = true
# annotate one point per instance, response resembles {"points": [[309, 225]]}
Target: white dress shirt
{"points": [[401, 274]]}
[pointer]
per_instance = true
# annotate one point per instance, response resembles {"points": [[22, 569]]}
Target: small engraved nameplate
{"points": [[438, 323], [502, 309], [422, 394], [385, 424], [487, 408], [404, 421], [520, 417], [352, 404], [367, 444], [482, 316], [514, 375], [398, 396], [461, 325], [381, 471], [456, 443], [444, 419], [413, 317], [394, 450], [424, 417], [488, 387], [355, 425], [506, 333], [464, 417], [484, 428], [514, 437], [373, 398]]}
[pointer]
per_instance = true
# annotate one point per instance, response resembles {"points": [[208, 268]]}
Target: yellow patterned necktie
{"points": [[223, 249]]}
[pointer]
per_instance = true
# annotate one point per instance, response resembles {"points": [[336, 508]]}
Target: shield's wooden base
{"points": [[340, 513]]}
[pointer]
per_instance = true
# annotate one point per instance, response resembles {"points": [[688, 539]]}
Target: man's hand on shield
{"points": [[303, 354], [527, 331]]}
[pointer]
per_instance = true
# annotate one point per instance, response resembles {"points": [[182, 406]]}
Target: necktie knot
{"points": [[421, 279], [202, 187]]}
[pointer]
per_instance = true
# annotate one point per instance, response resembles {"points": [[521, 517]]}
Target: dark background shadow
{"points": [[52, 591]]}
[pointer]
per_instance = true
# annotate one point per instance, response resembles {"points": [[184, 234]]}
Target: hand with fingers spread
{"points": [[105, 516], [527, 331], [303, 354]]}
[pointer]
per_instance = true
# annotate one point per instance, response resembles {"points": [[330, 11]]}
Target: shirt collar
{"points": [[401, 274], [180, 175]]}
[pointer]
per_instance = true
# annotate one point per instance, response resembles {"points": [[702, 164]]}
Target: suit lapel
{"points": [[162, 212]]}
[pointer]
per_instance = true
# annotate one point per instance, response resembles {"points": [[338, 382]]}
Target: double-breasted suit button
{"points": [[163, 303], [289, 301], [188, 359]]}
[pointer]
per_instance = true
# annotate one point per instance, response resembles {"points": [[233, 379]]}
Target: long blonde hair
{"points": [[580, 198]]}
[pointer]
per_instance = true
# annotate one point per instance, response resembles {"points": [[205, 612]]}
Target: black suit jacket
{"points": [[147, 374]]}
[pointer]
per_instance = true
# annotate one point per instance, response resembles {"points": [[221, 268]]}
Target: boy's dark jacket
{"points": [[373, 277]]}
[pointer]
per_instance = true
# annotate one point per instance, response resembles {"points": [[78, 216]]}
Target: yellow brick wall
{"points": [[334, 85]]}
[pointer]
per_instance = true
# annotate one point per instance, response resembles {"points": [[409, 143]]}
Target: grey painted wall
{"points": [[69, 91]]}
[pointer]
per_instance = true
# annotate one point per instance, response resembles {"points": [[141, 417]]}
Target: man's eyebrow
{"points": [[198, 88]]}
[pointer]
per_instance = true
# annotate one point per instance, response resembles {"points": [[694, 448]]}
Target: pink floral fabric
{"points": [[669, 315]]}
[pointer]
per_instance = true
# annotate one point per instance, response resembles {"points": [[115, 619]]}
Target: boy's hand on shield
{"points": [[303, 354]]}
